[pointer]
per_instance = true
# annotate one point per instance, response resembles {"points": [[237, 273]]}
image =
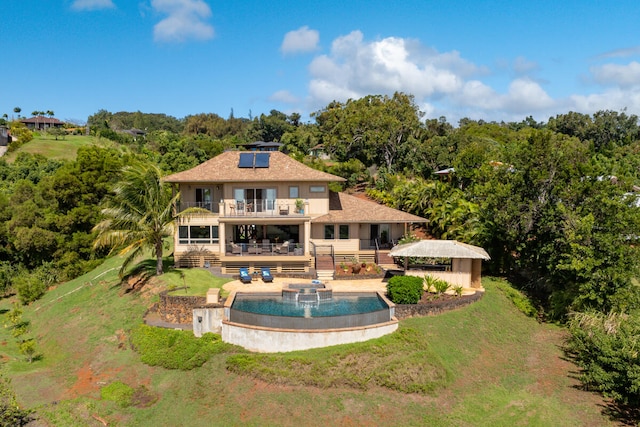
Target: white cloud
{"points": [[300, 41], [621, 53], [92, 4], [619, 75], [445, 83], [185, 20]]}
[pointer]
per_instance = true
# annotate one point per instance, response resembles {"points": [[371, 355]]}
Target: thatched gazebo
{"points": [[466, 260]]}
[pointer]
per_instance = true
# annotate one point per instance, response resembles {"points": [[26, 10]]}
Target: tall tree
{"points": [[375, 129], [138, 216]]}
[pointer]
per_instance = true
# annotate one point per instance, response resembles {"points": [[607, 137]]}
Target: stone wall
{"points": [[177, 308], [404, 311]]}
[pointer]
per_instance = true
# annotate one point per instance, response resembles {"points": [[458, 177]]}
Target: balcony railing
{"points": [[210, 206], [262, 208], [264, 248], [256, 208]]}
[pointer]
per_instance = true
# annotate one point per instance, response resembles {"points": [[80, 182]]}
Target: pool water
{"points": [[337, 306]]}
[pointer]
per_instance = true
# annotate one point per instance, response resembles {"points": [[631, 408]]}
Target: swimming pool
{"points": [[339, 305]]}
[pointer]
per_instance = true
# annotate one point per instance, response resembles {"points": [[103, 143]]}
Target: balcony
{"points": [[262, 209], [256, 208], [264, 248]]}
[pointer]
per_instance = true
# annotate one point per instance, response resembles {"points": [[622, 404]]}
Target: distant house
{"points": [[5, 138], [42, 122], [135, 133]]}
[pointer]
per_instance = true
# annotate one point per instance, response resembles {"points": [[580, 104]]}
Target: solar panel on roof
{"points": [[262, 160], [246, 160]]}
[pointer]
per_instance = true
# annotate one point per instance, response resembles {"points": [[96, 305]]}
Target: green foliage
{"points": [[518, 298], [606, 346], [118, 392], [20, 134], [440, 286], [174, 349], [28, 348], [138, 216], [405, 289], [30, 288], [10, 412], [402, 362]]}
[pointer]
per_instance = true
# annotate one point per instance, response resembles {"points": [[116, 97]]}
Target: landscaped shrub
{"points": [[440, 286], [405, 289], [174, 349]]}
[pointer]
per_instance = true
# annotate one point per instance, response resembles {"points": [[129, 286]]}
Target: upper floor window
{"points": [[294, 193], [316, 189], [203, 198]]}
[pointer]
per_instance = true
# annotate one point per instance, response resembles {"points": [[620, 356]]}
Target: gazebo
{"points": [[466, 260]]}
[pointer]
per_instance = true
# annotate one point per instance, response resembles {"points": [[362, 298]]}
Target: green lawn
{"points": [[485, 364], [61, 149], [192, 281]]}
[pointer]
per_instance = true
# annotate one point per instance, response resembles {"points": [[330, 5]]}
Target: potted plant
{"points": [[355, 266], [344, 267], [300, 206]]}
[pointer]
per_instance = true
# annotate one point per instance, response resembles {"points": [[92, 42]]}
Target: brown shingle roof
{"points": [[42, 120], [224, 168], [344, 208]]}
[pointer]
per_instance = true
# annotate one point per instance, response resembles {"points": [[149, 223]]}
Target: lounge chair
{"points": [[245, 277], [283, 248], [266, 274]]}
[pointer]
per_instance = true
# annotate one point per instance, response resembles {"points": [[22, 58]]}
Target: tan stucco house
{"points": [[265, 209]]}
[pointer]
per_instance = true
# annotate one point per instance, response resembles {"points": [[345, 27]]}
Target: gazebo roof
{"points": [[439, 249]]}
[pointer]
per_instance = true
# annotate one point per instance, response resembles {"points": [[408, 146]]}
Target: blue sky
{"points": [[491, 60]]}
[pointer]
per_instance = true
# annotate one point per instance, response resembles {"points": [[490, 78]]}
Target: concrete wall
{"points": [[207, 319], [266, 340]]}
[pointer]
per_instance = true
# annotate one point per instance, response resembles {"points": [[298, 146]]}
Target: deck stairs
{"points": [[325, 269], [385, 261]]}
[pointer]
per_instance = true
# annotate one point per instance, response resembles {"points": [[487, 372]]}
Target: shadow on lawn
{"points": [[142, 273]]}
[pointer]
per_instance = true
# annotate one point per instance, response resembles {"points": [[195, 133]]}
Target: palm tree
{"points": [[138, 216]]}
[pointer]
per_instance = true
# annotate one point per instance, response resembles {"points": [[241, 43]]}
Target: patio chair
{"points": [[236, 249], [266, 274], [245, 277], [283, 248]]}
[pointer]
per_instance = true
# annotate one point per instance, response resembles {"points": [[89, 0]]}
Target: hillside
{"points": [[501, 367], [60, 149]]}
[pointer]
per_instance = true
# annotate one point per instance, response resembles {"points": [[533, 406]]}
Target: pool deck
{"points": [[361, 285]]}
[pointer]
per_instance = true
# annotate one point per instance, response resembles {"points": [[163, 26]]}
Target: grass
{"points": [[192, 281], [61, 149], [485, 364]]}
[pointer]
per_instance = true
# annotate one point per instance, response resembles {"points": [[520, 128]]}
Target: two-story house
{"points": [[267, 209]]}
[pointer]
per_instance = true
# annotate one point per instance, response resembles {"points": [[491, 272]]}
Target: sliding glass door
{"points": [[253, 200]]}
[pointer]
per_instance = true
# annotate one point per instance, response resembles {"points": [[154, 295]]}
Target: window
{"points": [[343, 231], [198, 234], [329, 232], [293, 192], [203, 198], [316, 189]]}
